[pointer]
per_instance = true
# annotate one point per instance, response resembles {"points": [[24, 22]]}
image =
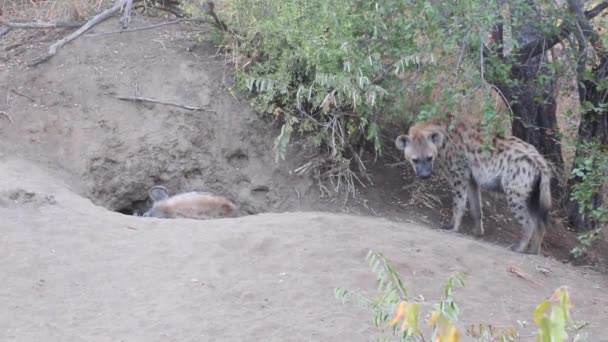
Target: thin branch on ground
{"points": [[173, 104], [3, 113], [39, 25], [94, 21], [23, 95], [5, 30], [177, 21]]}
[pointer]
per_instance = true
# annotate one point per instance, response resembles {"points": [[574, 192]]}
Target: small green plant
{"points": [[395, 313], [591, 172]]}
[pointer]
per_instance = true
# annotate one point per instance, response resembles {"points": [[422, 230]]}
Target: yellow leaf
{"points": [[433, 319], [540, 311], [400, 313], [453, 335]]}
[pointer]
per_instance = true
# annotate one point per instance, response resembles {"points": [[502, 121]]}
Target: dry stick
{"points": [[143, 99], [5, 30], [177, 21], [8, 116], [23, 95], [126, 16], [94, 21], [38, 25]]}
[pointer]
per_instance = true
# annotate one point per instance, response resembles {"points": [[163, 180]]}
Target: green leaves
{"points": [[552, 317]]}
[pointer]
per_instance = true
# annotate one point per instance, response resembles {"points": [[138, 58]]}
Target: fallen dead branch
{"points": [[177, 21], [5, 30], [3, 113], [23, 95], [39, 25], [118, 4], [173, 104]]}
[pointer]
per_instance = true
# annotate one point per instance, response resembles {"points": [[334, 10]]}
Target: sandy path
{"points": [[72, 271]]}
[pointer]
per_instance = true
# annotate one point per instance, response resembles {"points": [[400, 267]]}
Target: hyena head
{"points": [[420, 147], [158, 194]]}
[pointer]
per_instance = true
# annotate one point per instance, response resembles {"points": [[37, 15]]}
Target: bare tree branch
{"points": [[39, 25], [537, 47], [94, 21], [594, 12]]}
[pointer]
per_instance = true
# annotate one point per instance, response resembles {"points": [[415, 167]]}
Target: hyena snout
{"points": [[423, 168]]}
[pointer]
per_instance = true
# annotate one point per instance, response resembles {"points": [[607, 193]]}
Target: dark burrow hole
{"points": [[136, 208]]}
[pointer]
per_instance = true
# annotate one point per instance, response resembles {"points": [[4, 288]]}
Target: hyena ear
{"points": [[436, 138], [158, 193], [402, 141]]}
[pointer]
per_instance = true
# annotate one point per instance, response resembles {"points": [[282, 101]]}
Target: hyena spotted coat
{"points": [[510, 165], [193, 205]]}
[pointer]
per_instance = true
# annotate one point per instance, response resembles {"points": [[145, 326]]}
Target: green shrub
{"points": [[392, 310], [336, 72]]}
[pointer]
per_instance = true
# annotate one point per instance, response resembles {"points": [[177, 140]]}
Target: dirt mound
{"points": [[68, 113], [74, 271]]}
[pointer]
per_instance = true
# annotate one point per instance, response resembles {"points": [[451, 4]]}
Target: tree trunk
{"points": [[532, 99], [593, 127], [534, 109]]}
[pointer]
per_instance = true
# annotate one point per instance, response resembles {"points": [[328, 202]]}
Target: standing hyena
{"points": [[510, 165], [194, 205]]}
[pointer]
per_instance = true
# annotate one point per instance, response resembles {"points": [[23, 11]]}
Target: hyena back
{"points": [[193, 205], [510, 165]]}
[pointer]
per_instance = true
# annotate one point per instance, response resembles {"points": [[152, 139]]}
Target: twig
{"points": [[5, 30], [177, 21], [39, 25], [126, 16], [94, 21], [7, 116], [143, 99], [23, 95]]}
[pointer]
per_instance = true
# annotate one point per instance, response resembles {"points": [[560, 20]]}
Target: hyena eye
{"points": [[415, 160], [429, 158]]}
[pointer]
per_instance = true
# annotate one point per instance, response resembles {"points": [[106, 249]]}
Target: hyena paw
{"points": [[518, 248], [448, 226]]}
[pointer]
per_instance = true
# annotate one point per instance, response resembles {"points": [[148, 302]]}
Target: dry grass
{"points": [[52, 10]]}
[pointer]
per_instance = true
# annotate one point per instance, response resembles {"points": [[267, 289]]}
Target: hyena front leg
{"points": [[460, 191], [475, 206]]}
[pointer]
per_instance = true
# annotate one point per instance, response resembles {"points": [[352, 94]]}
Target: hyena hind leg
{"points": [[475, 207], [537, 237], [519, 208]]}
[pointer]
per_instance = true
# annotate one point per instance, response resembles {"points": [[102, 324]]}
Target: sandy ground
{"points": [[74, 269]]}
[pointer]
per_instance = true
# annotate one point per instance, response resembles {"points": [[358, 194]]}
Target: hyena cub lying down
{"points": [[193, 205], [512, 166]]}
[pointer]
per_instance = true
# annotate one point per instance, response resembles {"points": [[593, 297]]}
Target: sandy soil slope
{"points": [[74, 271]]}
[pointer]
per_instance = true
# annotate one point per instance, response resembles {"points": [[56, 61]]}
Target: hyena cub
{"points": [[193, 205], [511, 166]]}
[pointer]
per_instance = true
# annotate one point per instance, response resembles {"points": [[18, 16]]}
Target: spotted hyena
{"points": [[510, 165], [194, 205]]}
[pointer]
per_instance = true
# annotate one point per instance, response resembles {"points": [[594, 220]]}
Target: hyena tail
{"points": [[540, 197]]}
